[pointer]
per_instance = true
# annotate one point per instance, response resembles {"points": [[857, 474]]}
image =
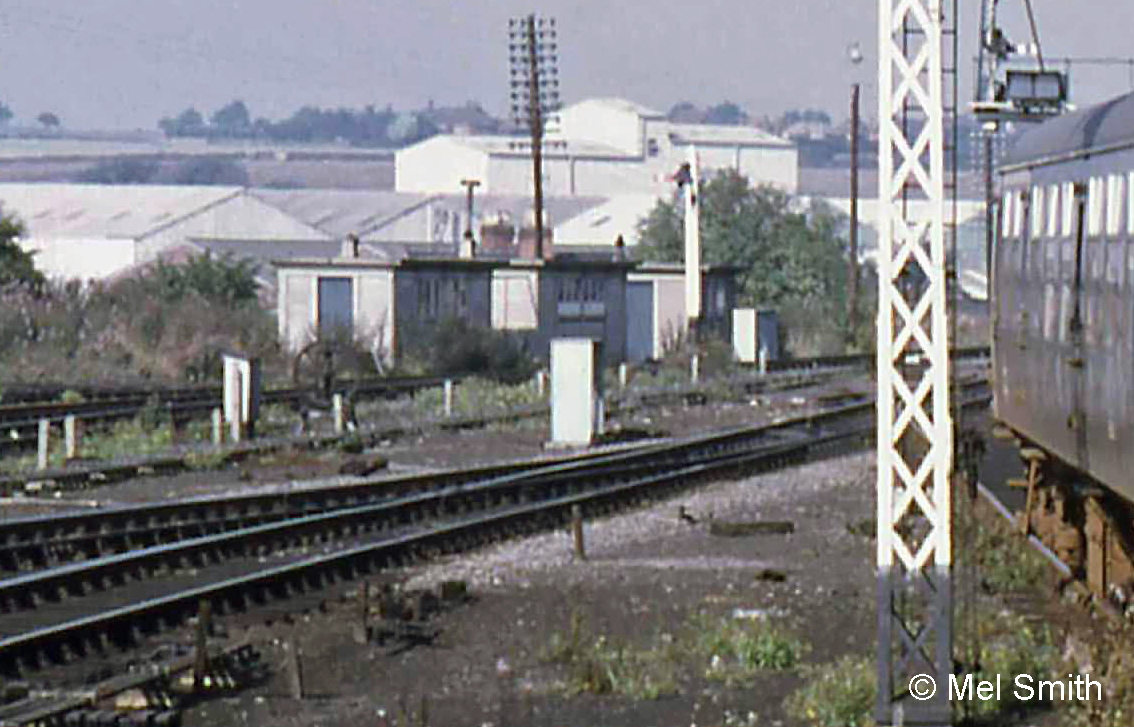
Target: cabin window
{"points": [[428, 299], [1053, 210], [1113, 204], [1035, 227], [1094, 206]]}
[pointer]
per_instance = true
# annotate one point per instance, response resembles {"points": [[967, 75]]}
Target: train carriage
{"points": [[1063, 274]]}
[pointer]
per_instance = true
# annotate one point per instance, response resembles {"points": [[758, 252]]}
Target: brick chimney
{"points": [[496, 236], [528, 238]]}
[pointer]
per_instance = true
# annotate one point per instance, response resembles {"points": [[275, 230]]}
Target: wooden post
{"points": [[44, 443], [362, 630], [201, 657], [70, 437], [448, 398], [577, 530], [337, 413], [218, 428]]}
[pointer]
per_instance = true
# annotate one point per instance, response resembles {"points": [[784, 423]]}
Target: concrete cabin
{"points": [[630, 307]]}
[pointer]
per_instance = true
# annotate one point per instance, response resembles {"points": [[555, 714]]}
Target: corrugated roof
{"points": [[621, 104], [105, 211], [1104, 125], [722, 134], [340, 212], [555, 146]]}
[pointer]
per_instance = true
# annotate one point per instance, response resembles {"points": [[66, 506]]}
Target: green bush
{"points": [[837, 694], [737, 649], [456, 347]]}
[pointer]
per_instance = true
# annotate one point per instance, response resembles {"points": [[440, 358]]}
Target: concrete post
{"points": [[541, 382], [337, 413], [762, 361], [234, 427], [218, 428], [44, 443], [622, 376], [694, 368], [70, 437], [448, 404]]}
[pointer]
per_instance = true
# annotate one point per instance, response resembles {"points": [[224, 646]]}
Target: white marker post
{"points": [[693, 242]]}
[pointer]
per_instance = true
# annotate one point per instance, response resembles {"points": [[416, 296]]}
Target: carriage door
{"points": [[1077, 360]]}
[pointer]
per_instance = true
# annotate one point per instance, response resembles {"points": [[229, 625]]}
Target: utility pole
{"points": [[469, 185], [536, 120], [852, 262], [535, 94]]}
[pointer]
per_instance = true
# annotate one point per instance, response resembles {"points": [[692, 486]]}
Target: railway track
{"points": [[84, 608], [19, 421]]}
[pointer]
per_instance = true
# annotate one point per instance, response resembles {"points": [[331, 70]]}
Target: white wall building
{"points": [[90, 231], [599, 147]]}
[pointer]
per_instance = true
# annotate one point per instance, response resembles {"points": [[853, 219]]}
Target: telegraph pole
{"points": [[535, 94], [852, 263], [693, 243]]}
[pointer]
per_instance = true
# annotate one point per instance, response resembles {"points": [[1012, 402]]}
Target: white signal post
{"points": [[693, 241], [914, 555]]}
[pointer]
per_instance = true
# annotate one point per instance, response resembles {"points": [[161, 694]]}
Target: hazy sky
{"points": [[125, 63]]}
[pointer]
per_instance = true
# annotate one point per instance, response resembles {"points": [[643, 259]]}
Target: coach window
{"points": [[1053, 211], [1068, 209], [1130, 204], [1113, 204], [1095, 207], [1035, 229]]}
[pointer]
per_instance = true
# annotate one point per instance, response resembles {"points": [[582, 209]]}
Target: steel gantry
{"points": [[914, 422]]}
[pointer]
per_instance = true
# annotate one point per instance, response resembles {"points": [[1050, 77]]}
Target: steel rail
{"points": [[41, 541], [128, 624], [183, 401], [38, 541]]}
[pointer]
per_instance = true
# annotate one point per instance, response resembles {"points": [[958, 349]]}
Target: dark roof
{"points": [[1105, 126]]}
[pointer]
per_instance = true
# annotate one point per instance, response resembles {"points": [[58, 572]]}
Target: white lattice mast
{"points": [[914, 427]]}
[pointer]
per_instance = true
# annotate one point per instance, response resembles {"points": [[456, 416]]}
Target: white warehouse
{"points": [[600, 147]]}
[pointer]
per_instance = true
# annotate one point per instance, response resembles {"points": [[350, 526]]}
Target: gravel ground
{"points": [[648, 572]]}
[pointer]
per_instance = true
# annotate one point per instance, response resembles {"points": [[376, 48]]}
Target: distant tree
{"points": [[48, 120], [210, 170], [684, 112], [232, 119], [17, 267], [188, 123], [726, 112], [119, 171], [788, 259], [5, 114]]}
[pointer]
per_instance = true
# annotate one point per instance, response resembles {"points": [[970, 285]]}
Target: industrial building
{"points": [[90, 231], [598, 147]]}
